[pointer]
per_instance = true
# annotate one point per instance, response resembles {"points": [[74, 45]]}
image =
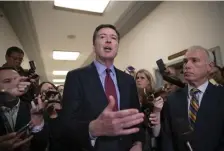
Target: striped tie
{"points": [[194, 106]]}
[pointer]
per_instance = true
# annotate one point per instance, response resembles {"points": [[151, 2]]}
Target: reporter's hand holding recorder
{"points": [[155, 116], [52, 102], [17, 139]]}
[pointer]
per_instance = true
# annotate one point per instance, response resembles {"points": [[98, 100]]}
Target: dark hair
{"points": [[14, 49], [7, 68], [105, 26]]}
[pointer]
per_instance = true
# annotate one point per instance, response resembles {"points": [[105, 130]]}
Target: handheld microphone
{"points": [[184, 132]]}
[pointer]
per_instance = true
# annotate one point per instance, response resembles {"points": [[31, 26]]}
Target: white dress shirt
{"points": [[11, 115]]}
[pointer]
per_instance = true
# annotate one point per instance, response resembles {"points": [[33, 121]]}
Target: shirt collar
{"points": [[202, 87], [102, 68], [14, 108]]}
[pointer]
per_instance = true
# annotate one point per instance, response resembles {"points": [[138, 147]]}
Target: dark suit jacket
{"points": [[40, 139], [209, 127], [83, 101]]}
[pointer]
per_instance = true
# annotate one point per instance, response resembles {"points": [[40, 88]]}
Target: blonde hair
{"points": [[148, 76]]}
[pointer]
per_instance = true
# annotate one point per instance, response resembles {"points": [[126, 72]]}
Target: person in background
{"points": [[52, 117], [130, 70], [144, 80], [194, 115], [216, 76], [14, 58], [43, 89], [100, 102], [169, 87], [15, 114]]}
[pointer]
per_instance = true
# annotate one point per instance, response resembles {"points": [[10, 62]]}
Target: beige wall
{"points": [[170, 28], [8, 38]]}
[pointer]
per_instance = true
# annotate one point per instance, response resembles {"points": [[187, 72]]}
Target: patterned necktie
{"points": [[194, 106], [110, 88]]}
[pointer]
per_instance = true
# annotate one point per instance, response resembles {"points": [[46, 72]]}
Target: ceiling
{"points": [[42, 28]]}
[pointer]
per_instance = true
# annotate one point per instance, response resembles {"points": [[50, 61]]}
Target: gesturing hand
{"points": [[113, 123], [12, 141], [21, 87]]}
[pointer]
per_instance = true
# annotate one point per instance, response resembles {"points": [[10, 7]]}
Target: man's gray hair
{"points": [[209, 53]]}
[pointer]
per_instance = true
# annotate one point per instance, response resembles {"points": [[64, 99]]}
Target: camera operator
{"points": [[14, 58], [52, 99], [21, 125]]}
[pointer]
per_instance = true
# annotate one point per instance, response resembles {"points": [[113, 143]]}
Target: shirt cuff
{"points": [[37, 128], [92, 139]]}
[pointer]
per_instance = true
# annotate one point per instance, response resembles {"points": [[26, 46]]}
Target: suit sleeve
{"points": [[135, 104], [221, 143], [40, 140], [75, 129], [166, 131]]}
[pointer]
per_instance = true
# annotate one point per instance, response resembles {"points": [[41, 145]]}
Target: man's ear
{"points": [[211, 66]]}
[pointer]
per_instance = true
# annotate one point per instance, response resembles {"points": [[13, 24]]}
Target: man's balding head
{"points": [[198, 63]]}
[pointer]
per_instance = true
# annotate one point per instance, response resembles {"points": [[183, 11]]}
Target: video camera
{"points": [[31, 73], [167, 77]]}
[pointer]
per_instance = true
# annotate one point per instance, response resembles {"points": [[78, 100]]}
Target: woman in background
{"points": [[144, 81]]}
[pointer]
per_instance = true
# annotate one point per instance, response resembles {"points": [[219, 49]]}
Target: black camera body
{"points": [[171, 79], [31, 73]]}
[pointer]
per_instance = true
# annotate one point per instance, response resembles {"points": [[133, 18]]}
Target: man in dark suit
{"points": [[15, 114], [194, 115], [100, 103]]}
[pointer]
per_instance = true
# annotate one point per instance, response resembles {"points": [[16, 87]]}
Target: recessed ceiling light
{"points": [[97, 6], [58, 80], [65, 55], [57, 84], [60, 72]]}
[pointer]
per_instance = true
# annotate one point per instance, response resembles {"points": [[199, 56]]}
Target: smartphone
{"points": [[24, 132], [161, 66], [24, 128]]}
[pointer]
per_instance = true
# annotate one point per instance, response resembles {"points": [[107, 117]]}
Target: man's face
{"points": [[15, 59], [106, 44], [196, 66], [8, 79]]}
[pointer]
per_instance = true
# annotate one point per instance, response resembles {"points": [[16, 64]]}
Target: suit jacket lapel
{"points": [[183, 103], [2, 127], [122, 89], [96, 90], [205, 107], [23, 116]]}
